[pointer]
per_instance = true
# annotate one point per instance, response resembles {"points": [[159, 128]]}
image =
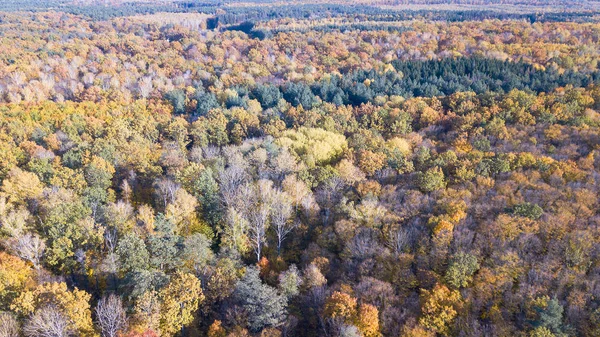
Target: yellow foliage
{"points": [[367, 320], [74, 304], [179, 301], [350, 173], [401, 144], [216, 330], [439, 309], [315, 146], [441, 225], [14, 276], [340, 305], [21, 185]]}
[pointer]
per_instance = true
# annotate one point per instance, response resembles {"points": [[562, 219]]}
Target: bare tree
{"points": [[9, 327], [166, 190], [145, 86], [235, 228], [328, 196], [281, 212], [244, 199], [29, 247], [110, 264], [230, 179], [47, 322], [398, 240], [257, 230], [111, 315]]}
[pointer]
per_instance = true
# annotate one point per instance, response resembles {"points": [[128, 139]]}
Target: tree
{"points": [[111, 316], [177, 100], [439, 308], [541, 332], [257, 229], [48, 322], [341, 305], [528, 210], [367, 320], [164, 245], [132, 252], [205, 101], [9, 327], [206, 189], [315, 146], [147, 311], [14, 275], [290, 281], [431, 180], [197, 252], [29, 247], [68, 227], [98, 173], [299, 94], [21, 186], [183, 214], [281, 211], [263, 304], [349, 330], [179, 301], [461, 269], [166, 191], [235, 231], [549, 314], [312, 277], [54, 300], [370, 162], [268, 95], [216, 330], [551, 317]]}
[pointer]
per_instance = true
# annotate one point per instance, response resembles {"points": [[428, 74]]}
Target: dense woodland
{"points": [[353, 172]]}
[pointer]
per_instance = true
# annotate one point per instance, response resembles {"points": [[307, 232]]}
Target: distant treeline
{"points": [[477, 15], [237, 14], [365, 27], [101, 12]]}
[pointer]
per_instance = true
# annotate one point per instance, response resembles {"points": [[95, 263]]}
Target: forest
{"points": [[262, 169]]}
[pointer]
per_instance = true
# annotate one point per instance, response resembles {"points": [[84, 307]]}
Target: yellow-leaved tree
{"points": [[439, 308], [179, 301], [14, 276], [73, 304], [315, 146], [365, 317], [21, 185]]}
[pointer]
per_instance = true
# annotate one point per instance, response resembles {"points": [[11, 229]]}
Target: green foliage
{"points": [[549, 316], [205, 101], [330, 130], [461, 269], [431, 180], [267, 95], [528, 210], [264, 305], [132, 253], [197, 251], [206, 189], [289, 282], [299, 94], [177, 100], [164, 245]]}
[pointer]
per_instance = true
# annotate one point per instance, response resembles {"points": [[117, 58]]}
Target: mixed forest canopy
{"points": [[317, 168]]}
